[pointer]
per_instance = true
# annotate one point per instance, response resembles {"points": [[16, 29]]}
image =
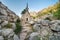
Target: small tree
{"points": [[23, 11], [18, 26]]}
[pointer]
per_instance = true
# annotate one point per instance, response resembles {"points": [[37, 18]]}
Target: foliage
{"points": [[8, 25], [18, 27], [18, 20], [23, 11], [34, 17], [47, 19], [57, 13]]}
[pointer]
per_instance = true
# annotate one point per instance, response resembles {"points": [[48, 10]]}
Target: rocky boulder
{"points": [[6, 32], [1, 38], [4, 23], [16, 37], [37, 27], [47, 30], [34, 36], [13, 26], [55, 25]]}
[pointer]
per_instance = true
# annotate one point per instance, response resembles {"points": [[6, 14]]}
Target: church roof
{"points": [[25, 10]]}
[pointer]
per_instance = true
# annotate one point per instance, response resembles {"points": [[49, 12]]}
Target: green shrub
{"points": [[47, 19], [18, 27], [18, 20], [8, 25], [23, 11], [57, 13]]}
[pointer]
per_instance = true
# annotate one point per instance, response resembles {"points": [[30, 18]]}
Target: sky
{"points": [[17, 6]]}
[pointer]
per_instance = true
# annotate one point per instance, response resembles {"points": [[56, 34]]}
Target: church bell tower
{"points": [[26, 15]]}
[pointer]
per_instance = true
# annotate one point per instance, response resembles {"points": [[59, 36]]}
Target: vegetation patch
{"points": [[8, 25], [18, 27]]}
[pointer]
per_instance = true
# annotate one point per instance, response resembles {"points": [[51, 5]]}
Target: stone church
{"points": [[25, 19]]}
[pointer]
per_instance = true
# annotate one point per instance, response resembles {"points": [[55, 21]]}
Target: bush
{"points": [[47, 19], [57, 13], [18, 27], [8, 25], [23, 11], [18, 20]]}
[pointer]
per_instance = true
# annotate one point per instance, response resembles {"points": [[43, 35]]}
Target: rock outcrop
{"points": [[7, 23], [7, 14], [46, 30]]}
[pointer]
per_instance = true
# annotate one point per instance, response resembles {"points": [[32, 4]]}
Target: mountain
{"points": [[47, 11]]}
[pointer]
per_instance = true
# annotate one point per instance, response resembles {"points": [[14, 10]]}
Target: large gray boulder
{"points": [[34, 36], [45, 31], [55, 25], [13, 26], [45, 22], [3, 11], [7, 32], [54, 37], [38, 21], [16, 37], [36, 27], [1, 38], [4, 23]]}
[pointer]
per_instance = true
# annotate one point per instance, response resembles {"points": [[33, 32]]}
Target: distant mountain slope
{"points": [[49, 10]]}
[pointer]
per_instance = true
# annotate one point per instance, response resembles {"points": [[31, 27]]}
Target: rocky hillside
{"points": [[7, 14], [45, 30], [47, 11], [42, 29], [9, 24]]}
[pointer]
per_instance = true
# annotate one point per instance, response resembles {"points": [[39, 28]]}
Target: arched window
{"points": [[26, 19]]}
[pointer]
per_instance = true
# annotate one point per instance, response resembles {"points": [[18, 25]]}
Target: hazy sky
{"points": [[34, 5]]}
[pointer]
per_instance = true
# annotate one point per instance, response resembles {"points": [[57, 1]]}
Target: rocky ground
{"points": [[7, 33], [46, 30], [7, 23], [35, 30]]}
